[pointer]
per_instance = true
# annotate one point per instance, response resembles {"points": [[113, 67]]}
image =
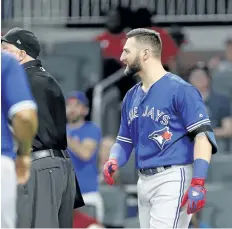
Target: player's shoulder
{"points": [[131, 92], [180, 87], [9, 64], [6, 56], [7, 59], [177, 82]]}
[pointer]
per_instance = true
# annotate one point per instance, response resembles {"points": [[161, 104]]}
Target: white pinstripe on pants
{"points": [[8, 193], [159, 198]]}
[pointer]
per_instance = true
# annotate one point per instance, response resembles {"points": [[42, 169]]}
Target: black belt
{"points": [[153, 171], [35, 155]]}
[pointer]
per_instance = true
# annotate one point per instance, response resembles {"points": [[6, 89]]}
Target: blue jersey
{"points": [[15, 95], [157, 124], [86, 170]]}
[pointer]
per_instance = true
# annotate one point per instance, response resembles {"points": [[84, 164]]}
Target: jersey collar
{"points": [[32, 63]]}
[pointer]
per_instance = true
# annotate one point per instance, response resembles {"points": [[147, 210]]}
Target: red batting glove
{"points": [[109, 169], [195, 195]]}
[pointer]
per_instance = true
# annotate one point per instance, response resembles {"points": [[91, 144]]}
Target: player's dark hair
{"points": [[148, 36]]}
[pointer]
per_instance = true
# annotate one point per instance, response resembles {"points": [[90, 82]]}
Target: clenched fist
{"points": [[23, 168], [109, 169]]}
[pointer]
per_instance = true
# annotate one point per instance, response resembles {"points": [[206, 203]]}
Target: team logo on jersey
{"points": [[194, 193], [161, 136]]}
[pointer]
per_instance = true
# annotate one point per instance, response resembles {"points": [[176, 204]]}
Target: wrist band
{"points": [[200, 168]]}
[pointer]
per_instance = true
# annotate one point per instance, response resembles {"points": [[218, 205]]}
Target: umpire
{"points": [[47, 200]]}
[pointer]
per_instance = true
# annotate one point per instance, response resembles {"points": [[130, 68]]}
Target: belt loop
{"points": [[62, 151], [52, 154]]}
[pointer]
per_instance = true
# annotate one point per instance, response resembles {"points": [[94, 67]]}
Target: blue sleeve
{"points": [[15, 89], [191, 108], [122, 149], [193, 113], [124, 135]]}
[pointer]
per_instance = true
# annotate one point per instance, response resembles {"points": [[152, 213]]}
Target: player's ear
{"points": [[146, 54]]}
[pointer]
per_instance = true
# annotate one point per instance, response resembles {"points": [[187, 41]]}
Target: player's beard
{"points": [[133, 68]]}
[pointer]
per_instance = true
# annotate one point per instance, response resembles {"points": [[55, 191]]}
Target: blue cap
{"points": [[80, 96]]}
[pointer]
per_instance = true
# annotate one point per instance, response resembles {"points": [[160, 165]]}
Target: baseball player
{"points": [[18, 110], [165, 120]]}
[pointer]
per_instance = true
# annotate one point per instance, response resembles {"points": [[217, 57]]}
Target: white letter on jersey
{"points": [[151, 113], [145, 112], [133, 114], [165, 120], [159, 114], [136, 112]]}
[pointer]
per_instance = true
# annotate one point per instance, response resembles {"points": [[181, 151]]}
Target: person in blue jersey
{"points": [[18, 115], [83, 143], [165, 120]]}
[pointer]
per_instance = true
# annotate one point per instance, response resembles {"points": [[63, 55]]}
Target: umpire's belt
{"points": [[35, 155], [153, 171]]}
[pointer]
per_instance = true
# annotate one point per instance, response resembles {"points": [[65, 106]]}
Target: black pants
{"points": [[47, 199]]}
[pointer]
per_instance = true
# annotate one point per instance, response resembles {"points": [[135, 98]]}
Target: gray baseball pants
{"points": [[159, 198], [47, 200]]}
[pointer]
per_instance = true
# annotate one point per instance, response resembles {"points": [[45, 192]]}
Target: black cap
{"points": [[24, 40]]}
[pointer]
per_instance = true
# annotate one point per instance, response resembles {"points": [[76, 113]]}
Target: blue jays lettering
{"points": [[161, 136], [150, 112]]}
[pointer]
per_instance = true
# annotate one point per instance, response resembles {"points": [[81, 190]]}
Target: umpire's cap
{"points": [[23, 40], [80, 96]]}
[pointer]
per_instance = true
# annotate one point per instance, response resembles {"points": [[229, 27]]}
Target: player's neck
{"points": [[151, 75]]}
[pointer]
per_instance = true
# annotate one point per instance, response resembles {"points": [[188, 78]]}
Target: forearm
{"points": [[78, 149], [121, 152], [202, 156], [25, 127], [202, 148]]}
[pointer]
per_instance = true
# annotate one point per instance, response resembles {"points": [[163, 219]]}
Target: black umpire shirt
{"points": [[51, 108]]}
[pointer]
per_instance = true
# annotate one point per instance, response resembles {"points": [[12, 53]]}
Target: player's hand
{"points": [[109, 169], [23, 168], [195, 196]]}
